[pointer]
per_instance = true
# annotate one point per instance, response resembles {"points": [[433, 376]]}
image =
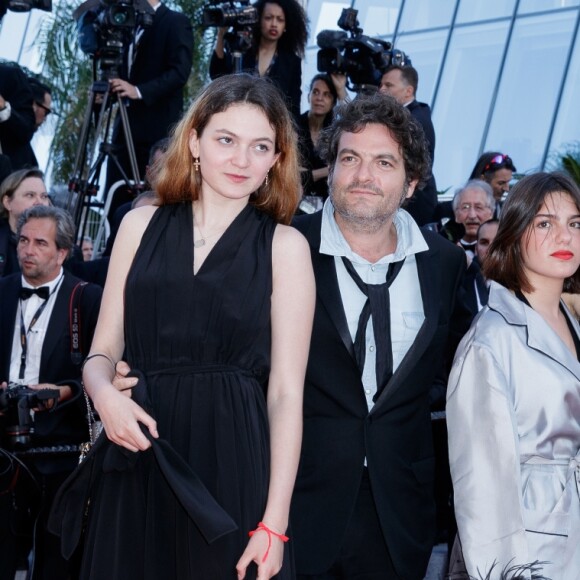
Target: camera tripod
{"points": [[84, 184]]}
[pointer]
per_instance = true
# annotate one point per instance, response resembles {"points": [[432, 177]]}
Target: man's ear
{"points": [[412, 185]]}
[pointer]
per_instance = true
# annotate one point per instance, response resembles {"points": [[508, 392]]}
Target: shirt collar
{"points": [[410, 240], [51, 285]]}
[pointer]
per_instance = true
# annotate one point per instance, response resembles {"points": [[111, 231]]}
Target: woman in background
{"points": [[276, 51], [212, 300], [496, 169], [322, 98], [513, 403]]}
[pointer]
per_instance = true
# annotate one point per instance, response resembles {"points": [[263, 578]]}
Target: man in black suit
{"points": [[161, 62], [47, 320], [401, 82], [363, 503], [17, 123]]}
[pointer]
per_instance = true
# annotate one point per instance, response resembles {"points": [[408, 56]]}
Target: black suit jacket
{"points": [[395, 437], [473, 278], [17, 131], [67, 424], [285, 73], [160, 70], [423, 204]]}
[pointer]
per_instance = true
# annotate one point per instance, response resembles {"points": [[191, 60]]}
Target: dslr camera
{"points": [[361, 58], [16, 403]]}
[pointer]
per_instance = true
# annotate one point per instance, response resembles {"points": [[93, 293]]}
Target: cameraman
{"points": [[42, 349], [401, 83], [158, 64]]}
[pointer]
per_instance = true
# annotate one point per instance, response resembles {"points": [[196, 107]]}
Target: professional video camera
{"points": [[361, 58], [236, 14], [107, 27], [24, 6], [16, 402], [240, 18]]}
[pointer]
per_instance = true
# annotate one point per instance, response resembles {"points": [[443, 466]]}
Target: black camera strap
{"points": [[74, 317], [24, 332]]}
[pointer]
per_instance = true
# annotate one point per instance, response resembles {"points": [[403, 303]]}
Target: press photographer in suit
{"points": [[158, 66], [47, 320]]}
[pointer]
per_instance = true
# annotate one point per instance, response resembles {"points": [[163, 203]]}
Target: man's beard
{"points": [[367, 219]]}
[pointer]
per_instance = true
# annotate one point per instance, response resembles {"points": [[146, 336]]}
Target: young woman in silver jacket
{"points": [[513, 402]]}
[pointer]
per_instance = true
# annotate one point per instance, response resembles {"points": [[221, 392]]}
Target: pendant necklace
{"points": [[202, 241]]}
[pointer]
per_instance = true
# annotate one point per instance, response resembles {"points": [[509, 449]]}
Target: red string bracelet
{"points": [[265, 528]]}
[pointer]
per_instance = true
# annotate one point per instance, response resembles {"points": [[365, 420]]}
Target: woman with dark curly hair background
{"points": [[279, 39]]}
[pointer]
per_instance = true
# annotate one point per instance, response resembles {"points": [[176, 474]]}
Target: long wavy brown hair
{"points": [[177, 181]]}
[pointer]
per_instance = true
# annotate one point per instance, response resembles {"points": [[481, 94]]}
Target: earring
{"points": [[196, 164], [267, 180]]}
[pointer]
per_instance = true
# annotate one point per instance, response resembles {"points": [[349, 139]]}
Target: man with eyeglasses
{"points": [[497, 169], [473, 204], [41, 101]]}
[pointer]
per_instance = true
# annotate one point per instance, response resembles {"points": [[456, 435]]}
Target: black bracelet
{"points": [[96, 355]]}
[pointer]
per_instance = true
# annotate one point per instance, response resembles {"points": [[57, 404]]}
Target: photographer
{"points": [[276, 52], [41, 349], [158, 66]]}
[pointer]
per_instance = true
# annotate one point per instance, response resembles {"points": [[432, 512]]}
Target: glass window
{"points": [[567, 125], [462, 103], [378, 18], [484, 10], [529, 87], [527, 6], [425, 50], [324, 15], [421, 14], [14, 26]]}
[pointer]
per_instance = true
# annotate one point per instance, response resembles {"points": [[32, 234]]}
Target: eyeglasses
{"points": [[494, 162], [46, 109], [478, 208]]}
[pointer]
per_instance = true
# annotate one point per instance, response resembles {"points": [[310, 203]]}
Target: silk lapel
{"points": [[328, 292], [428, 269], [8, 320]]}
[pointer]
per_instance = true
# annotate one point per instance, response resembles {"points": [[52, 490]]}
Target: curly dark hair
{"points": [[504, 262], [296, 36], [380, 109]]}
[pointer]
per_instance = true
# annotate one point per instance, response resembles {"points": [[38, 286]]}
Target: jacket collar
{"points": [[540, 336]]}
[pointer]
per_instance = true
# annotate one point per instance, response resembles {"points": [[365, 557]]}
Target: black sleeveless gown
{"points": [[202, 344]]}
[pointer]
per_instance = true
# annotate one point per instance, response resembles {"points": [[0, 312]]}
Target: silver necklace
{"points": [[202, 241]]}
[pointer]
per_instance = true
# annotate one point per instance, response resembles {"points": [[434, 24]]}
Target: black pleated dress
{"points": [[183, 509]]}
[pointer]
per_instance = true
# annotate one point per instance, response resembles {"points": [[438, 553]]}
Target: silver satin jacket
{"points": [[513, 414]]}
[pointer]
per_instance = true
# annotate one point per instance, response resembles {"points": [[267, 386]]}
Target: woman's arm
{"points": [[485, 463], [293, 300], [119, 414]]}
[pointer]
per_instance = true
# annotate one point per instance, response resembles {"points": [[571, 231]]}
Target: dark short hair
{"points": [[65, 228], [486, 223], [39, 89], [378, 108], [408, 73], [481, 167], [161, 145], [504, 262], [328, 81]]}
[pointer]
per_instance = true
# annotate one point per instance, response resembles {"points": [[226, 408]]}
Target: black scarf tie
{"points": [[378, 305]]}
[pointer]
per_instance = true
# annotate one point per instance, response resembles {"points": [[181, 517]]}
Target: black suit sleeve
{"points": [[19, 128]]}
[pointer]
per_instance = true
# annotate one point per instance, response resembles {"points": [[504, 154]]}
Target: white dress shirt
{"points": [[35, 335], [406, 303]]}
